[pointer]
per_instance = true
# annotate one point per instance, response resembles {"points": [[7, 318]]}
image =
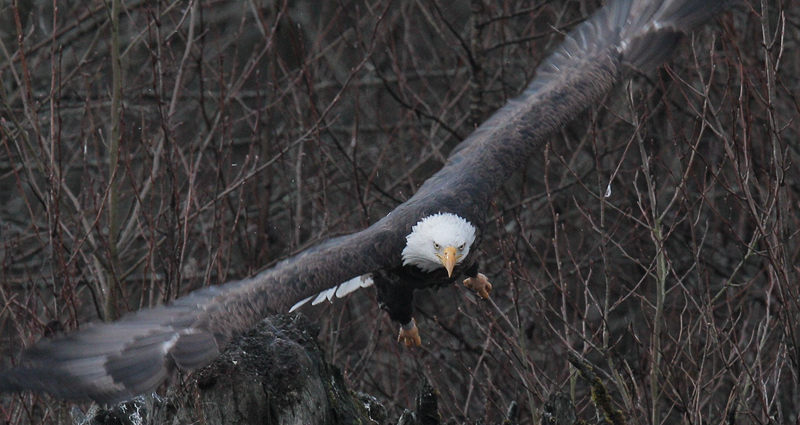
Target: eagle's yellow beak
{"points": [[449, 259]]}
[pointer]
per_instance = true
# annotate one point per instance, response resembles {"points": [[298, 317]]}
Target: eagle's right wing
{"points": [[112, 362]]}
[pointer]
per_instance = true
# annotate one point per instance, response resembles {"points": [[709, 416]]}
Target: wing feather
{"points": [[194, 349], [354, 284], [339, 291], [325, 295]]}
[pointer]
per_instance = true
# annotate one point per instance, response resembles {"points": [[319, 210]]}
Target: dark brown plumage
{"points": [[115, 361]]}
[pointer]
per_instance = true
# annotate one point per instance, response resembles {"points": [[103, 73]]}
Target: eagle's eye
{"points": [[436, 246], [461, 247]]}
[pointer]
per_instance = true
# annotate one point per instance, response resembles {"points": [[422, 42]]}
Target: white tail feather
{"points": [[339, 291]]}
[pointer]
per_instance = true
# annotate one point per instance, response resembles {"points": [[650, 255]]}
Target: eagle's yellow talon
{"points": [[409, 334], [479, 284]]}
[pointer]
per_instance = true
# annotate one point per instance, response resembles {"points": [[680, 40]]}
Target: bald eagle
{"points": [[429, 240], [437, 251]]}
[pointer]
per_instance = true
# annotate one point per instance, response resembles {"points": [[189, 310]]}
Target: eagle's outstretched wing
{"points": [[111, 362], [115, 361], [635, 34]]}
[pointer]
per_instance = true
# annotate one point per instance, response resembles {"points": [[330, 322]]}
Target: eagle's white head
{"points": [[438, 240]]}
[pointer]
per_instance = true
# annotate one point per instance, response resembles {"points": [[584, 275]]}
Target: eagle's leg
{"points": [[397, 298], [479, 284], [409, 334]]}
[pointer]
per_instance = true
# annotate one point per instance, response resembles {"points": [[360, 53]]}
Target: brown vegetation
{"points": [[656, 237]]}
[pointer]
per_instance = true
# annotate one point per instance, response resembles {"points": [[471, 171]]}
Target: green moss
{"points": [[602, 401]]}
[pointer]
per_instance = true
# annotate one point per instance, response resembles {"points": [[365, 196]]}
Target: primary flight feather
{"points": [[429, 240]]}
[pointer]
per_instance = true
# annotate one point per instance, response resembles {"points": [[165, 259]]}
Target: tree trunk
{"points": [[274, 374]]}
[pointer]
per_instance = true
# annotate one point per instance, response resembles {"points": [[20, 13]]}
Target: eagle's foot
{"points": [[479, 284], [409, 334]]}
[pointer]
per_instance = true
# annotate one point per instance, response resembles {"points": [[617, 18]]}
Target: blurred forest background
{"points": [[164, 146]]}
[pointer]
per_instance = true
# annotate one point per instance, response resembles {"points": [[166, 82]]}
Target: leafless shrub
{"points": [[655, 237]]}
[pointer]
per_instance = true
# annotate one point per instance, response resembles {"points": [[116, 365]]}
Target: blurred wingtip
{"points": [[113, 362]]}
